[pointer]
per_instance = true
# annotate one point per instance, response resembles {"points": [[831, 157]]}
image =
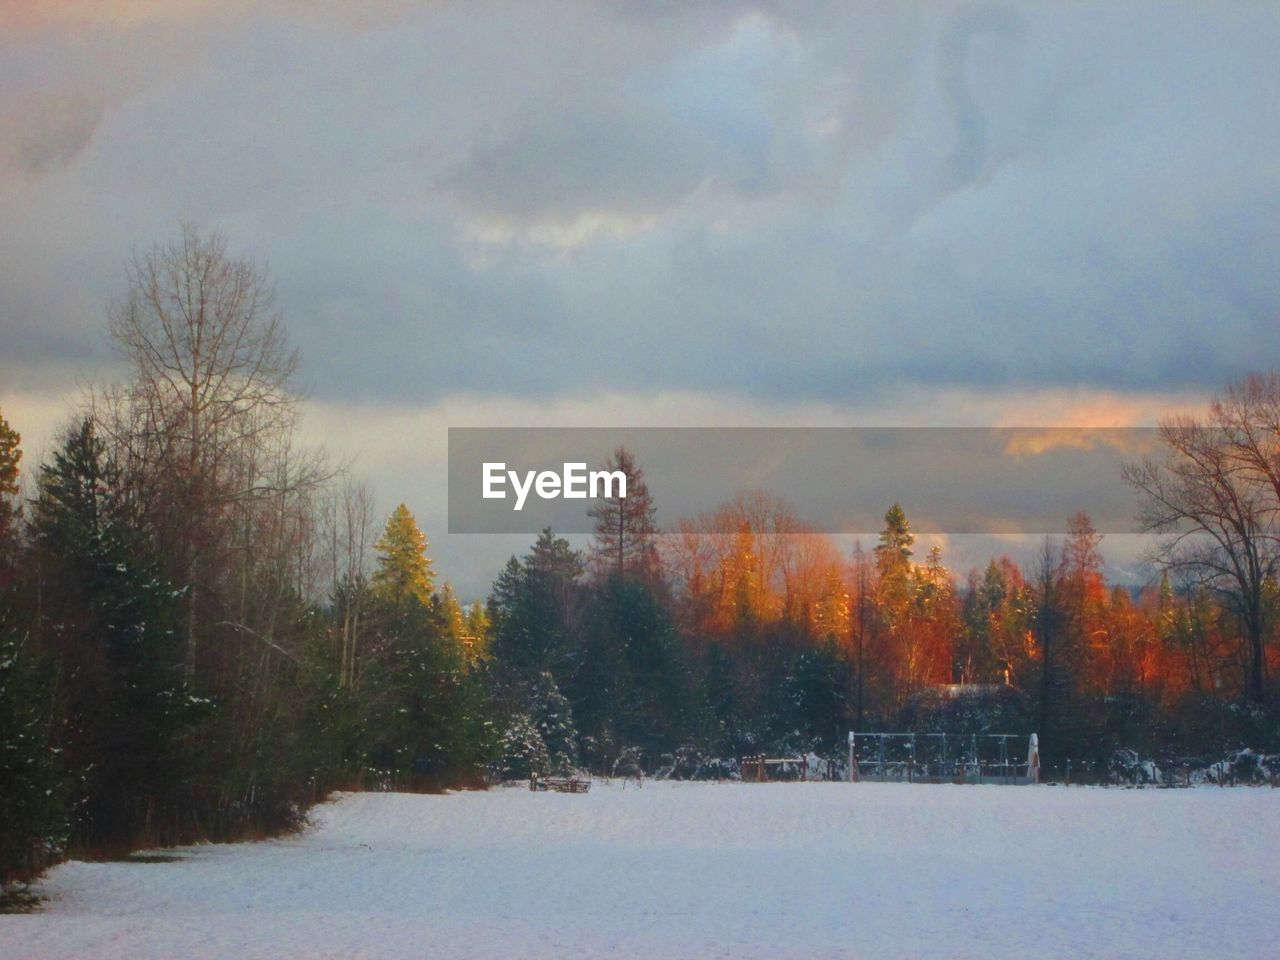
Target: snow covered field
{"points": [[702, 870]]}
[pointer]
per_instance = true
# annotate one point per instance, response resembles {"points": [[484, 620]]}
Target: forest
{"points": [[206, 627]]}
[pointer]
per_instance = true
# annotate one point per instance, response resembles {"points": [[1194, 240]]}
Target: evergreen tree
{"points": [[522, 752], [414, 698], [33, 787], [404, 569], [934, 621], [426, 713], [33, 813], [453, 615], [10, 457], [894, 550], [722, 728], [629, 678], [817, 699], [1060, 592], [1083, 597], [110, 627], [553, 717], [625, 528], [893, 564], [534, 608], [476, 628]]}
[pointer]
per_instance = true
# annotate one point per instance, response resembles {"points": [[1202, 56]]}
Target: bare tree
{"points": [[1247, 415], [1215, 500], [348, 520], [208, 414], [864, 622]]}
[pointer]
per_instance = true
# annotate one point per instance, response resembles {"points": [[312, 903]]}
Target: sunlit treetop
{"points": [[404, 570]]}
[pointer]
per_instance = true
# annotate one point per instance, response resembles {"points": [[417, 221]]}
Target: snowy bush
{"points": [[523, 751], [720, 768], [1243, 767], [628, 763], [1126, 767], [553, 719], [690, 763]]}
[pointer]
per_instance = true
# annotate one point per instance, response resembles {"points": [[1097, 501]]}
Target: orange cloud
{"points": [[1035, 442], [1093, 409]]}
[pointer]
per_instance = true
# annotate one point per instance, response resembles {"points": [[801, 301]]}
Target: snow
{"points": [[702, 870]]}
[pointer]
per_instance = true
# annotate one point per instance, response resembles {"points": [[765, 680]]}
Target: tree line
{"points": [[206, 627]]}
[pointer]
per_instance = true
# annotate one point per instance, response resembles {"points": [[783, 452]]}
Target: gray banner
{"points": [[838, 480]]}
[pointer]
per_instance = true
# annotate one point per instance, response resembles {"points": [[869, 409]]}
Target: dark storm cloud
{"points": [[796, 202]]}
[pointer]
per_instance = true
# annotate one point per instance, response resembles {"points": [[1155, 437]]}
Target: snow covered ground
{"points": [[702, 870]]}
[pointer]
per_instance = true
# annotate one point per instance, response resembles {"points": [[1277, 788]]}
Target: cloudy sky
{"points": [[657, 213]]}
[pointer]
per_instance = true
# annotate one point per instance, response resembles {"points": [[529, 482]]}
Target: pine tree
{"points": [[453, 615], [723, 731], [935, 621], [33, 787], [816, 699], [832, 613], [534, 608], [894, 551], [425, 712], [893, 564], [629, 678], [477, 630], [553, 717], [110, 624], [404, 571], [522, 752], [980, 658], [625, 529], [33, 814], [10, 457], [423, 708]]}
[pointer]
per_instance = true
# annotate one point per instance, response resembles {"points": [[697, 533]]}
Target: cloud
{"points": [[1037, 443], [969, 155], [74, 16], [613, 166], [44, 131], [836, 205], [19, 16]]}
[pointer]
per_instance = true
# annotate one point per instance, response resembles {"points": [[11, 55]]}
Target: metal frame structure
{"points": [[943, 758]]}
